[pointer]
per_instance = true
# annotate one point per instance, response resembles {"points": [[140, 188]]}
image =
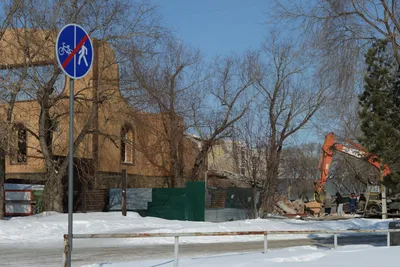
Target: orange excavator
{"points": [[355, 150]]}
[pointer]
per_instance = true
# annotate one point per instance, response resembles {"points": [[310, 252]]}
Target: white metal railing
{"points": [[244, 233]]}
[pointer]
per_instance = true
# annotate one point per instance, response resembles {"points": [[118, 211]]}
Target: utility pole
{"points": [[2, 180], [384, 199], [205, 186], [255, 199], [123, 185]]}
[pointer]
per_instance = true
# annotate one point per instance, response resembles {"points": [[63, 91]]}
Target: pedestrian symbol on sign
{"points": [[82, 55], [74, 51]]}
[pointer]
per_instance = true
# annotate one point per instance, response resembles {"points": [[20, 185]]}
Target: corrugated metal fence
{"points": [[168, 203]]}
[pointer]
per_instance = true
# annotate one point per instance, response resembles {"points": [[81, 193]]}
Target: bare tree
{"points": [[249, 153], [340, 32], [300, 169], [348, 175], [11, 13], [36, 72], [168, 83], [289, 98], [228, 96], [341, 28]]}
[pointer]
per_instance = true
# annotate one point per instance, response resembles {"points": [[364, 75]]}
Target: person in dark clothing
{"points": [[353, 203], [339, 202], [328, 204]]}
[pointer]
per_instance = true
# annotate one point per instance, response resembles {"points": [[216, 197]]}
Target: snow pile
{"points": [[48, 228], [361, 255]]}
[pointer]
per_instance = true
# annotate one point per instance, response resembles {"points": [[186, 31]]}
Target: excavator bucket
{"points": [[320, 197], [319, 194]]}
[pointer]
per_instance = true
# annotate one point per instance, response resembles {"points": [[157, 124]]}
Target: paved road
{"points": [[47, 257]]}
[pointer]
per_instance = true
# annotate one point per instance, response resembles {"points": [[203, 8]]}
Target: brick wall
{"points": [[97, 200]]}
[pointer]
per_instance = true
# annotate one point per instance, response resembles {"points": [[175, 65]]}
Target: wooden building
{"points": [[120, 137]]}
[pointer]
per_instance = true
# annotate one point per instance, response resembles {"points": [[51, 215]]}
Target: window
{"points": [[127, 139], [20, 145]]}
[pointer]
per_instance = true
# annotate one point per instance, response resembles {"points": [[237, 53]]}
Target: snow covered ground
{"points": [[306, 256], [47, 229]]}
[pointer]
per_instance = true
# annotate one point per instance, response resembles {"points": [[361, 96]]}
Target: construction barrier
{"points": [[244, 233]]}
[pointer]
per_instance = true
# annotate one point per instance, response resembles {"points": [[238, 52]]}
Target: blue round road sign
{"points": [[74, 51]]}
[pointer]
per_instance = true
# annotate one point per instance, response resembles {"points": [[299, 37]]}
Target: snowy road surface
{"points": [[38, 240], [305, 256], [46, 257]]}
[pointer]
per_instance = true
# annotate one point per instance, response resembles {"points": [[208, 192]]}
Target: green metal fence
{"points": [[195, 201], [178, 203], [168, 203]]}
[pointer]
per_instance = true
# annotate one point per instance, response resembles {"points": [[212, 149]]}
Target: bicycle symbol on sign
{"points": [[64, 49]]}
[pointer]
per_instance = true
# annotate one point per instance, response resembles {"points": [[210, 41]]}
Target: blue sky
{"points": [[217, 27], [220, 27]]}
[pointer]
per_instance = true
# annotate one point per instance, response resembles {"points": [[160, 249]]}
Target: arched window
{"points": [[127, 141], [20, 144]]}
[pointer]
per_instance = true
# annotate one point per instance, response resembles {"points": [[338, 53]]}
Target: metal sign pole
{"points": [[70, 168], [74, 53]]}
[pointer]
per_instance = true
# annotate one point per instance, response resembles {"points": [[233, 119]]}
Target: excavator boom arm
{"points": [[329, 148]]}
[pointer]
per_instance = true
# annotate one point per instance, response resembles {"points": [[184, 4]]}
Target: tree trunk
{"points": [[174, 168], [255, 213], [2, 180], [270, 187], [53, 193], [199, 163], [3, 154]]}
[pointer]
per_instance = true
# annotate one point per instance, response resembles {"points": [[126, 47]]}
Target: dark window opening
{"points": [[21, 145]]}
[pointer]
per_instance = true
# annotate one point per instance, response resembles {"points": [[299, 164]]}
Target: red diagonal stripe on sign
{"points": [[75, 51]]}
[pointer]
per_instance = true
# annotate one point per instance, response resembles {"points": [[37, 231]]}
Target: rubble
{"points": [[314, 206], [290, 208]]}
